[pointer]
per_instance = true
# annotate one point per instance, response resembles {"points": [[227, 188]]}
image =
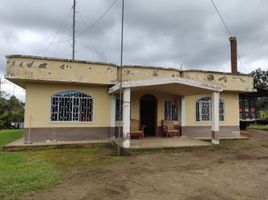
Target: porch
{"points": [[162, 143], [144, 101]]}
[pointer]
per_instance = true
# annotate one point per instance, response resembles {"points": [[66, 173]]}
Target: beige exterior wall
{"points": [[38, 105], [135, 104], [60, 71], [229, 82], [231, 110], [138, 73]]}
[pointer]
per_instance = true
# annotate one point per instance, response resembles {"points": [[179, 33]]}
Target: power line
{"points": [[97, 20], [87, 29], [226, 27], [58, 32], [219, 14]]}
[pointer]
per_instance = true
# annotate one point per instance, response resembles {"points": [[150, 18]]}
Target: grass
{"points": [[259, 127], [20, 172], [7, 136], [29, 171]]}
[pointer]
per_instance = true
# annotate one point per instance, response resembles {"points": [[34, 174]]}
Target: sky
{"points": [[185, 34]]}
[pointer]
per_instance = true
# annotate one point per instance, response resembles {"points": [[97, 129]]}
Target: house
{"points": [[79, 100]]}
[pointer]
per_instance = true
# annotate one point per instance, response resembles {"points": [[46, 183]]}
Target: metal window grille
{"points": [[170, 110], [71, 106], [203, 109]]}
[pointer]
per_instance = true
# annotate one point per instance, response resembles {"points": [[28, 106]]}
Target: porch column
{"points": [[215, 117], [126, 118]]}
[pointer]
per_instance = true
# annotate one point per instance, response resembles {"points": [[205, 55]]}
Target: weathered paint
{"points": [[143, 73], [215, 97], [229, 82], [21, 69], [126, 118], [28, 69]]}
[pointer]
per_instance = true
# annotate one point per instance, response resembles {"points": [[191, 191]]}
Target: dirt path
{"points": [[238, 170]]}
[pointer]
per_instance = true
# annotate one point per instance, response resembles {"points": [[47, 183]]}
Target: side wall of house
{"points": [[228, 127], [37, 114]]}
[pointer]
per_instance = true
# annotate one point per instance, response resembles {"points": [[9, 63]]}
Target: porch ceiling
{"points": [[176, 86]]}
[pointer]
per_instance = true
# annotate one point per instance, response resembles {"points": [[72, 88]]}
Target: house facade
{"points": [[79, 100]]}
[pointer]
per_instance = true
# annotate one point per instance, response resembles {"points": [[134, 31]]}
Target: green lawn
{"points": [[259, 127], [29, 171], [7, 136]]}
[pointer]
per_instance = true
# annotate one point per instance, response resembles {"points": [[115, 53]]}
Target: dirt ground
{"points": [[236, 170]]}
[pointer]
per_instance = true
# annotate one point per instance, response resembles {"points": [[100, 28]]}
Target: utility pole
{"points": [[74, 12], [121, 74]]}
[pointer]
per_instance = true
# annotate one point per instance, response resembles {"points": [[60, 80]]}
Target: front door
{"points": [[148, 114]]}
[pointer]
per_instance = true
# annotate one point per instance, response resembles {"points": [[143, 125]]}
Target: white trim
{"points": [[171, 100], [163, 81]]}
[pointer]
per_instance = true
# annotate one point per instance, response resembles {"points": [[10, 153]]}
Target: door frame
{"points": [[152, 98]]}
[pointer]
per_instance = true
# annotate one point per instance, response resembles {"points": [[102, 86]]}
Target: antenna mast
{"points": [[74, 12]]}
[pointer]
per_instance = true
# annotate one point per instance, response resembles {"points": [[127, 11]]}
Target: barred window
{"points": [[71, 106], [203, 109], [170, 110]]}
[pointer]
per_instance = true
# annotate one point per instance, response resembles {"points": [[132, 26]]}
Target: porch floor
{"points": [[161, 143]]}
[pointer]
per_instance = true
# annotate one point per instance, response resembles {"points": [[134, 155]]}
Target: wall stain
{"points": [[21, 64], [43, 66], [62, 66], [13, 62], [173, 75], [128, 72], [108, 68], [155, 73], [242, 80], [223, 78], [30, 64], [210, 77]]}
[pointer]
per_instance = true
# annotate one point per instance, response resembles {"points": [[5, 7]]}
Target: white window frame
{"points": [[199, 101], [164, 103]]}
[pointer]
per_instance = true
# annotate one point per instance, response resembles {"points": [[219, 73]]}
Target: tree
{"points": [[11, 110], [261, 82], [260, 78]]}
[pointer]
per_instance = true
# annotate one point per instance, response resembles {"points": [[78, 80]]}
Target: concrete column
{"points": [[126, 118], [215, 117], [113, 107]]}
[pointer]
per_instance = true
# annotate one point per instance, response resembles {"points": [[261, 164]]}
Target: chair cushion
{"points": [[134, 125], [169, 124]]}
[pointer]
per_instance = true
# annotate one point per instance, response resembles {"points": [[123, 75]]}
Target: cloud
{"points": [[162, 33]]}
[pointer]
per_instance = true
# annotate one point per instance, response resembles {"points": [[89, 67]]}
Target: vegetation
{"points": [[11, 111], [261, 82], [29, 171], [7, 136], [259, 127]]}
